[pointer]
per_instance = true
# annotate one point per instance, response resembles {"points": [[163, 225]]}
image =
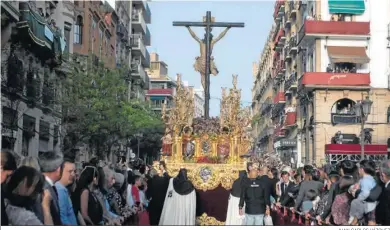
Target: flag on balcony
{"points": [[346, 6]]}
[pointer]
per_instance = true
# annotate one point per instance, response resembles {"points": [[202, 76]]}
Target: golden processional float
{"points": [[210, 149]]}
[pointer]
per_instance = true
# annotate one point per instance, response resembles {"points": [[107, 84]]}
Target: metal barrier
{"points": [[284, 216]]}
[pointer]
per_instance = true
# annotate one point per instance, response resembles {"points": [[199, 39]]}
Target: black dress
{"points": [[157, 189], [95, 210]]}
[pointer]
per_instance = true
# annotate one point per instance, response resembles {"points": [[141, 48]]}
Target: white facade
{"points": [[377, 45]]}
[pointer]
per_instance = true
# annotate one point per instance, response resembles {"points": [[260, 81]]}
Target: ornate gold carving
{"points": [[220, 174], [205, 220], [224, 144]]}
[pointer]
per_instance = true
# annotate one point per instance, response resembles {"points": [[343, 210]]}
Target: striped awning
{"points": [[355, 7], [348, 54]]}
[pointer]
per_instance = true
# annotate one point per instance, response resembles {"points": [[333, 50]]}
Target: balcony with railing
{"points": [[266, 106], [138, 22], [44, 39], [290, 118], [293, 9], [279, 70], [291, 83], [279, 132], [279, 9], [279, 98], [280, 38], [293, 45], [286, 53], [138, 71], [139, 49], [318, 80], [312, 29], [344, 118]]}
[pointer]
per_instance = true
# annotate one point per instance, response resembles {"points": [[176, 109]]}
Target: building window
{"points": [[343, 112], [78, 30], [67, 36]]}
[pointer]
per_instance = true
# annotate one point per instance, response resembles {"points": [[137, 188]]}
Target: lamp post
{"points": [[362, 110], [138, 136]]}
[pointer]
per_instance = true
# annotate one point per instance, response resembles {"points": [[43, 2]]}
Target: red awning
{"points": [[355, 149]]}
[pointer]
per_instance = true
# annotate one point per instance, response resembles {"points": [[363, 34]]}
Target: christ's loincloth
{"points": [[200, 66]]}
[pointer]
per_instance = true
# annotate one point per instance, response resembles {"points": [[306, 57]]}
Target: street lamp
{"points": [[362, 110], [138, 136]]}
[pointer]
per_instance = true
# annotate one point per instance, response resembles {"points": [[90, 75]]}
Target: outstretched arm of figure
{"points": [[221, 35], [193, 34]]}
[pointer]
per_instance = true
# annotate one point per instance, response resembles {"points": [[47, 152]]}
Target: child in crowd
{"points": [[361, 191]]}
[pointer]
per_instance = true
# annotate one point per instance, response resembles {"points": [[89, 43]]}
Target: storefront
{"points": [[287, 150], [339, 152]]}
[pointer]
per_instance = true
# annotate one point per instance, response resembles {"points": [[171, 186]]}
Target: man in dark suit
{"points": [[285, 187], [306, 185], [51, 167], [383, 209]]}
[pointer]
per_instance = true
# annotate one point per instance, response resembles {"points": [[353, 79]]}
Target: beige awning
{"points": [[350, 54]]}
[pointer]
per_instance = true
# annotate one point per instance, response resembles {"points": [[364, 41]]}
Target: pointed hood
{"points": [[237, 185], [182, 184]]}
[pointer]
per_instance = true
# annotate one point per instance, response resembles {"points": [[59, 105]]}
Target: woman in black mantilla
{"points": [[232, 216], [180, 201]]}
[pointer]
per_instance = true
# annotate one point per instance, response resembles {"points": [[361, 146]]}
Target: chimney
{"points": [[154, 57]]}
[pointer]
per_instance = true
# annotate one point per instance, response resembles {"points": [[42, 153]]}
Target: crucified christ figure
{"points": [[200, 63]]}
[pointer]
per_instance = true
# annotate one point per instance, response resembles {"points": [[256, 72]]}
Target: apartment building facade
{"points": [[262, 127], [35, 39], [328, 57], [162, 87], [140, 39]]}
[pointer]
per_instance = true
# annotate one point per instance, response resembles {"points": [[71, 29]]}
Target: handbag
{"points": [[268, 220]]}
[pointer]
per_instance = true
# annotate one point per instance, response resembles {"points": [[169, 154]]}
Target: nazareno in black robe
{"points": [[157, 189]]}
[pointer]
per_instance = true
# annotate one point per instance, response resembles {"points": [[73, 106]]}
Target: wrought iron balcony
{"points": [[293, 45], [291, 82], [266, 106], [280, 69], [286, 52], [293, 9], [278, 9], [339, 118], [44, 39]]}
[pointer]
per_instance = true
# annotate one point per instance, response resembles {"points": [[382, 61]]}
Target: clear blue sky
{"points": [[234, 54]]}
